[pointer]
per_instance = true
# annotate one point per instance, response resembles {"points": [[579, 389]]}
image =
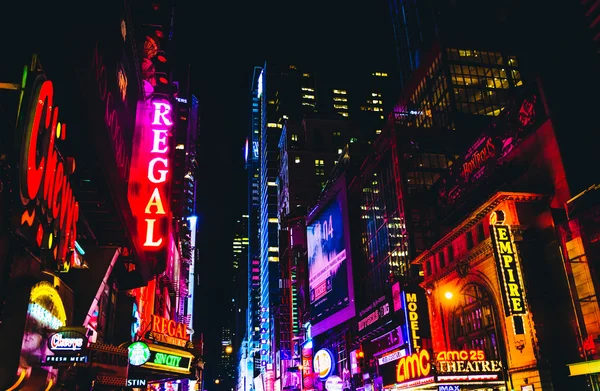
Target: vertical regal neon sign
{"points": [[152, 207], [158, 170], [50, 212]]}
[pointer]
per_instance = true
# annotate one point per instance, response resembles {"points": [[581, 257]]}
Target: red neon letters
{"points": [[158, 170], [45, 185]]}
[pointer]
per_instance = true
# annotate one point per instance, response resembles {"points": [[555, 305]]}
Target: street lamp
{"points": [[228, 350], [217, 381], [449, 295]]}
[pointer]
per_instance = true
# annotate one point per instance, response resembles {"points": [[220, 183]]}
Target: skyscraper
{"points": [[239, 281], [278, 95]]}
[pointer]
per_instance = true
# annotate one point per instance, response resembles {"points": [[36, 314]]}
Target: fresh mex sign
{"points": [[50, 211], [509, 270], [150, 174]]}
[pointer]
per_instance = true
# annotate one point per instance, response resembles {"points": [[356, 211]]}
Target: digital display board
{"points": [[329, 262]]}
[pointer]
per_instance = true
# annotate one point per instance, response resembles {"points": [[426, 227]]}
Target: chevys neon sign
{"points": [[51, 212], [58, 342], [508, 270]]}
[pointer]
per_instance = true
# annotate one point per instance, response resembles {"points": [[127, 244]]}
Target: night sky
{"points": [[224, 41]]}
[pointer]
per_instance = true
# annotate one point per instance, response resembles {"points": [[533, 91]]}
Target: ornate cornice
{"points": [[475, 217]]}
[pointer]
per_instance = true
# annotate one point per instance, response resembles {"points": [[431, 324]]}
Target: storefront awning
{"points": [[584, 368]]}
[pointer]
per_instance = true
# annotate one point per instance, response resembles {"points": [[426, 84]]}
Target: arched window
{"points": [[473, 322]]}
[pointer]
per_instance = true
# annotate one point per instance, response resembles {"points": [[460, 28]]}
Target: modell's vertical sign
{"points": [[150, 175], [49, 211], [509, 270], [416, 318]]}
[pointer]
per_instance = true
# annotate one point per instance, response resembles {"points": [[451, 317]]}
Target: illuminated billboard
{"points": [[329, 262]]}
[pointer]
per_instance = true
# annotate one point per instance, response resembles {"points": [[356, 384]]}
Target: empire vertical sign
{"points": [[150, 175], [509, 270], [50, 211]]}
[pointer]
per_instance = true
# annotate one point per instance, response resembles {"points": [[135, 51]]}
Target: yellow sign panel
{"points": [[511, 281]]}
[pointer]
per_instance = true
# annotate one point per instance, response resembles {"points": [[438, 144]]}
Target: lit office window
{"points": [[340, 92], [319, 163], [294, 137]]}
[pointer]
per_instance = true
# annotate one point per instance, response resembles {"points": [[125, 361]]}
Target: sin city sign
{"points": [[150, 175], [509, 270], [168, 331], [50, 212]]}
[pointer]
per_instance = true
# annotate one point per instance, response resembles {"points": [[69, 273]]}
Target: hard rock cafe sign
{"points": [[491, 149], [49, 210]]}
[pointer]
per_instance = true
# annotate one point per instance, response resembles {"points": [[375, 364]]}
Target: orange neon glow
{"points": [[22, 375], [460, 355]]}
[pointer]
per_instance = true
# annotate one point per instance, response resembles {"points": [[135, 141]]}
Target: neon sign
{"points": [[58, 342], [465, 361], [464, 355], [168, 359], [414, 366], [508, 270], [158, 170], [412, 313], [138, 353], [168, 331], [51, 212]]}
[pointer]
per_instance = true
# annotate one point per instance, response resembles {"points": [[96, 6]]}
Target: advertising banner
{"points": [[329, 264]]}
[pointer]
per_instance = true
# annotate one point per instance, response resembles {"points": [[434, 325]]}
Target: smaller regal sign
{"points": [[169, 332]]}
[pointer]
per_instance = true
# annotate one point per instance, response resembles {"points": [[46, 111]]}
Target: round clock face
{"points": [[138, 353]]}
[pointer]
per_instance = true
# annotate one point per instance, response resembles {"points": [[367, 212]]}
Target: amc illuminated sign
{"points": [[509, 270], [168, 359], [415, 366], [50, 215], [466, 361]]}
